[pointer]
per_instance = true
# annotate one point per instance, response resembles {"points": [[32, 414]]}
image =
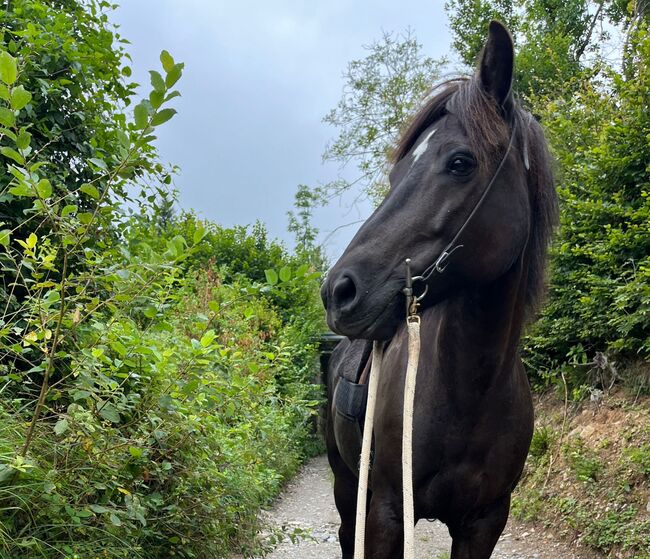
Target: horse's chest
{"points": [[463, 456]]}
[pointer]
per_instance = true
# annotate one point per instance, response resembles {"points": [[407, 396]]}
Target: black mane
{"points": [[489, 132]]}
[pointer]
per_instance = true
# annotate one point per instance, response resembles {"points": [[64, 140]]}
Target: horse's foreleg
{"points": [[476, 538], [345, 497], [385, 528], [345, 491]]}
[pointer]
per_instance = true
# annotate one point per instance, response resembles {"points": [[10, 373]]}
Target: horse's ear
{"points": [[496, 66]]}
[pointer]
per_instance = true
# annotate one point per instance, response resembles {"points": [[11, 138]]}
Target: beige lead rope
{"points": [[413, 325], [364, 466]]}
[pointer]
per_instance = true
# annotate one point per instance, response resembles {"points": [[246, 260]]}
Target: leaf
{"points": [[13, 154], [271, 276], [80, 394], [150, 312], [157, 81], [23, 140], [109, 411], [20, 97], [119, 348], [8, 68], [90, 190], [135, 452], [162, 116], [141, 115], [5, 237], [7, 117], [98, 163], [166, 60], [32, 240], [285, 273], [156, 98], [199, 233], [172, 95], [99, 509], [214, 306], [44, 188], [85, 217], [115, 520], [174, 74], [69, 209], [61, 426], [21, 190], [4, 92], [208, 338]]}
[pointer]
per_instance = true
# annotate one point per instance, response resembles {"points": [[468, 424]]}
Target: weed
{"points": [[584, 463], [542, 441]]}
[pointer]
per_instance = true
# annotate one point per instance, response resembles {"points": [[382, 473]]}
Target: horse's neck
{"points": [[475, 333]]}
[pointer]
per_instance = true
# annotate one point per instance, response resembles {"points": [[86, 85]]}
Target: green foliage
{"points": [[639, 457], [620, 528], [70, 70], [584, 463], [559, 44], [592, 488], [541, 442], [599, 296], [155, 388], [469, 19], [381, 92]]}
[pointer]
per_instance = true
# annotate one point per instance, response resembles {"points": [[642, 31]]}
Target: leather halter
{"points": [[440, 264]]}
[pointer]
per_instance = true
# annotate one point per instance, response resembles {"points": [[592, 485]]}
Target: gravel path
{"points": [[307, 504]]}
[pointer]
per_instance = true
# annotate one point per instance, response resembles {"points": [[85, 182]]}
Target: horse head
{"points": [[463, 203]]}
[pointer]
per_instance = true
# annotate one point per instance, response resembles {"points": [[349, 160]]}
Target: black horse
{"points": [[472, 162]]}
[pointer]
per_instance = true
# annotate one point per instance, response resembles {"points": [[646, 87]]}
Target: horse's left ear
{"points": [[497, 64]]}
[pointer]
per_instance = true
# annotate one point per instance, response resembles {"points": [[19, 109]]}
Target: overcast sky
{"points": [[259, 77]]}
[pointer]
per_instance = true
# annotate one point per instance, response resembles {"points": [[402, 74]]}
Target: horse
{"points": [[472, 203]]}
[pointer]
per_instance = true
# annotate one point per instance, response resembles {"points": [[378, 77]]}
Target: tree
{"points": [[560, 42], [381, 92], [74, 67], [600, 291]]}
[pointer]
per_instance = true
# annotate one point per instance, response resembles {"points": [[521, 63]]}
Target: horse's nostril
{"points": [[344, 291]]}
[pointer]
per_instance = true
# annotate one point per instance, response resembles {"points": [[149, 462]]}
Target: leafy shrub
{"points": [[599, 291], [152, 399], [584, 462], [541, 442]]}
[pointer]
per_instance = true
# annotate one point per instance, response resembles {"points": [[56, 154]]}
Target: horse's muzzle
{"points": [[355, 311]]}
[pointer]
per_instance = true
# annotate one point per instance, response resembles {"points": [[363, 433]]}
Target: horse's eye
{"points": [[461, 165]]}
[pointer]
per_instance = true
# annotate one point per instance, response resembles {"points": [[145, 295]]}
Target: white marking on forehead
{"points": [[422, 147]]}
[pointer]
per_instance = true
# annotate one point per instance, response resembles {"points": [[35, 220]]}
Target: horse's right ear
{"points": [[496, 66]]}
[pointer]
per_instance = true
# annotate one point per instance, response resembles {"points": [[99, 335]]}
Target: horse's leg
{"points": [[345, 497], [385, 527], [476, 539], [345, 488]]}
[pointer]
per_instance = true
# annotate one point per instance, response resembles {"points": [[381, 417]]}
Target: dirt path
{"points": [[307, 504]]}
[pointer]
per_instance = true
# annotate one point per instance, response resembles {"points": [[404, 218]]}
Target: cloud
{"points": [[259, 78]]}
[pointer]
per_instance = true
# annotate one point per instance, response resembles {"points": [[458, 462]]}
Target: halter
{"points": [[440, 264]]}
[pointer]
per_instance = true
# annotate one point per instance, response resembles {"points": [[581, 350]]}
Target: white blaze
{"points": [[422, 147]]}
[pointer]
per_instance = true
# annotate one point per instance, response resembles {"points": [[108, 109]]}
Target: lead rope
{"points": [[364, 466], [413, 326]]}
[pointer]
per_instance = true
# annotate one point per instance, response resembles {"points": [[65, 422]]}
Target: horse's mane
{"points": [[489, 133]]}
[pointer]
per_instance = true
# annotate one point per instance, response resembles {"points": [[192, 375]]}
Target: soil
{"points": [[307, 504]]}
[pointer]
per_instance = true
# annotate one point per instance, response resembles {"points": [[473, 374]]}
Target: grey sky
{"points": [[259, 77]]}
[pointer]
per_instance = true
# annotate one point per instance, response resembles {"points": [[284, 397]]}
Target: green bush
{"points": [[599, 291], [155, 370]]}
